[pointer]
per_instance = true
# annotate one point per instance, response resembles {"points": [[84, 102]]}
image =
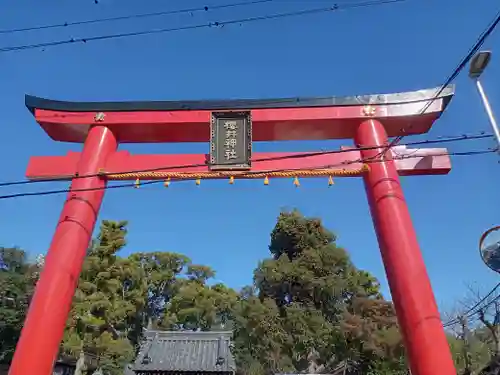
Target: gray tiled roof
{"points": [[186, 352]]}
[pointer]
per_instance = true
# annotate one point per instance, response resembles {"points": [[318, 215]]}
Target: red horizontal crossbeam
{"points": [[194, 126], [408, 161]]}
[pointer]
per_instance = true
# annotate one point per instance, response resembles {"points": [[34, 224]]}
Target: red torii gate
{"points": [[369, 120]]}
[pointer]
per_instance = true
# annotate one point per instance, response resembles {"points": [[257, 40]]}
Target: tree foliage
{"points": [[308, 310], [17, 281], [318, 311], [474, 333], [104, 307]]}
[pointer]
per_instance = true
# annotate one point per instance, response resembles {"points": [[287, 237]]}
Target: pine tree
{"points": [[314, 311], [105, 303]]}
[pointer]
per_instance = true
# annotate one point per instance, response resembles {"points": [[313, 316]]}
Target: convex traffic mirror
{"points": [[489, 248]]}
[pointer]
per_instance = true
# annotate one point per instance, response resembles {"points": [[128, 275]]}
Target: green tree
{"points": [[470, 355], [200, 273], [314, 311], [260, 338], [118, 297], [198, 306], [17, 281], [105, 304], [159, 276], [474, 337], [309, 308]]}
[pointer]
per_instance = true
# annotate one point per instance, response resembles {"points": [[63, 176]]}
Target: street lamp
{"points": [[477, 66]]}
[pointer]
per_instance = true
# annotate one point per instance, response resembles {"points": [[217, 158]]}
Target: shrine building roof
{"points": [[185, 352]]}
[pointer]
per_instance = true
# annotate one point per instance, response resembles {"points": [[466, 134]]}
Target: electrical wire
{"points": [[477, 307], [442, 139], [463, 63], [243, 175], [132, 16], [333, 8], [477, 45]]}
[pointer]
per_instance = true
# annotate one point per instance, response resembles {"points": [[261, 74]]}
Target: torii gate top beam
{"points": [[273, 119]]}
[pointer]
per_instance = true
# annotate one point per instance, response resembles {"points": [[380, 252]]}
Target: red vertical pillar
{"points": [[41, 336], [418, 316]]}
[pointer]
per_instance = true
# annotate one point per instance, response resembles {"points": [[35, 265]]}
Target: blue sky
{"points": [[390, 48]]}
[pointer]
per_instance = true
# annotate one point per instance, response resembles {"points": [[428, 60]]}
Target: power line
{"points": [[463, 63], [478, 44], [132, 16], [477, 307], [243, 175], [333, 8], [443, 139]]}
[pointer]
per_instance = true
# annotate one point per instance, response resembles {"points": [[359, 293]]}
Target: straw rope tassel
{"points": [[198, 181], [137, 183], [330, 181], [167, 182], [266, 181], [296, 181], [231, 180]]}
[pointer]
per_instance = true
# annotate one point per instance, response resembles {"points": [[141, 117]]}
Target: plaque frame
{"points": [[246, 116]]}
